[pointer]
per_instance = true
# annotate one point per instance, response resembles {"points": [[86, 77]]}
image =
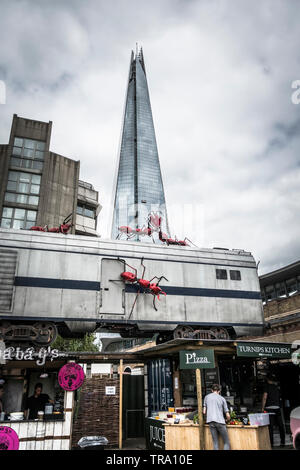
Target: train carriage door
{"points": [[112, 287]]}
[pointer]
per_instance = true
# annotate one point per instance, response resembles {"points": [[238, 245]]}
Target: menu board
{"points": [[211, 376]]}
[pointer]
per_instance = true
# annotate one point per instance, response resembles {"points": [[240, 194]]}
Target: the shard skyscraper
{"points": [[139, 188]]}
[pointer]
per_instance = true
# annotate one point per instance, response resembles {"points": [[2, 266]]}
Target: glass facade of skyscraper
{"points": [[139, 189]]}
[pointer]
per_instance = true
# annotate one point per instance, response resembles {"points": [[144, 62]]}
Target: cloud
{"points": [[219, 74]]}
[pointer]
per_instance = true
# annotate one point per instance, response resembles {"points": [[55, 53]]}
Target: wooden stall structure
{"points": [[94, 409], [186, 436], [229, 363], [45, 435]]}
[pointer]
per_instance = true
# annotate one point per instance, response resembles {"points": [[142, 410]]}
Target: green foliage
{"points": [[76, 344], [195, 419]]}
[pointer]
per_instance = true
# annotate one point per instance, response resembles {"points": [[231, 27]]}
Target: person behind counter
{"points": [[36, 402], [272, 404]]}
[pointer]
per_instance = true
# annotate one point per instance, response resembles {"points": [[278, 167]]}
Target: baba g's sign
{"points": [[29, 354], [273, 350], [197, 359]]}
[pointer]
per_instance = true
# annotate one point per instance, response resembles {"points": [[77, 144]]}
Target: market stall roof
{"points": [[176, 345], [280, 274], [112, 358]]}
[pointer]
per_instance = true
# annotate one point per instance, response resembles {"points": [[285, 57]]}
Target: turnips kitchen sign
{"points": [[273, 350]]}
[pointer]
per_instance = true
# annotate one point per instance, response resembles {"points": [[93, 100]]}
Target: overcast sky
{"points": [[220, 76]]}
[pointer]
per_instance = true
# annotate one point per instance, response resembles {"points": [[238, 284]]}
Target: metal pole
{"points": [[200, 411], [121, 405]]}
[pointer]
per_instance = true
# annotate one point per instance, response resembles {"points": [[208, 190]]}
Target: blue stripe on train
{"points": [[132, 288], [56, 283]]}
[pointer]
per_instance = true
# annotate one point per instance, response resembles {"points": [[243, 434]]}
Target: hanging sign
{"points": [[71, 376], [197, 359], [273, 350], [8, 439]]}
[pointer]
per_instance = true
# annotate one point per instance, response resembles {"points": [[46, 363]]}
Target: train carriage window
{"points": [[221, 273], [235, 275]]}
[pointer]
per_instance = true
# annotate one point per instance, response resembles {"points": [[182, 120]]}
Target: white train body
{"points": [[76, 281]]}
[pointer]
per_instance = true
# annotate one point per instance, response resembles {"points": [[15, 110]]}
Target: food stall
{"points": [[51, 429], [236, 366]]}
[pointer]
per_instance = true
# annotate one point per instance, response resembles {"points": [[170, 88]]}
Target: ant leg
{"points": [[160, 278], [133, 304], [155, 277], [142, 263]]}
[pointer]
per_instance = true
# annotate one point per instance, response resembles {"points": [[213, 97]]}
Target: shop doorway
{"points": [[133, 406], [289, 379]]}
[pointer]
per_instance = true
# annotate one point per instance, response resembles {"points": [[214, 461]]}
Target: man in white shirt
{"points": [[214, 408]]}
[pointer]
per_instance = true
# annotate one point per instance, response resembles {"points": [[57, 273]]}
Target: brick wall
{"points": [[277, 306]]}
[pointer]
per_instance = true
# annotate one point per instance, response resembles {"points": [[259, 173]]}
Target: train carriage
{"points": [[79, 284]]}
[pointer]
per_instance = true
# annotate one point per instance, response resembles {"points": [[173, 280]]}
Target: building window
{"points": [[221, 273], [23, 188], [291, 286], [17, 218], [86, 211], [235, 275], [28, 153], [280, 289], [270, 292]]}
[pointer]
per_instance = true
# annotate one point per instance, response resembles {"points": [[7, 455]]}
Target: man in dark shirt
{"points": [[36, 402], [271, 403]]}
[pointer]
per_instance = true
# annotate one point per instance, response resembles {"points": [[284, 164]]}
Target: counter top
{"points": [[247, 426], [11, 421]]}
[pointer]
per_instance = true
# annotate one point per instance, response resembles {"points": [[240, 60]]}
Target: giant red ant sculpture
{"points": [[63, 228], [143, 285], [154, 225], [131, 232], [171, 241]]}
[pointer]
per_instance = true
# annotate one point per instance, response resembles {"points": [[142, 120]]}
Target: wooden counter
{"points": [[186, 437]]}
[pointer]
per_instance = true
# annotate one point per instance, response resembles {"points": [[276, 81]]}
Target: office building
{"points": [[139, 188], [39, 187]]}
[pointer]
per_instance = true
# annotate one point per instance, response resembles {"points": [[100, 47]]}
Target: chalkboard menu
{"points": [[211, 376]]}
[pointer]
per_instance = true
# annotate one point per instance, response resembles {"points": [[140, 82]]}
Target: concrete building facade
{"points": [[280, 292], [40, 187]]}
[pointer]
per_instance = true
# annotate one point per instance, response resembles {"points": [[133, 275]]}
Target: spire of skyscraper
{"points": [[139, 188]]}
